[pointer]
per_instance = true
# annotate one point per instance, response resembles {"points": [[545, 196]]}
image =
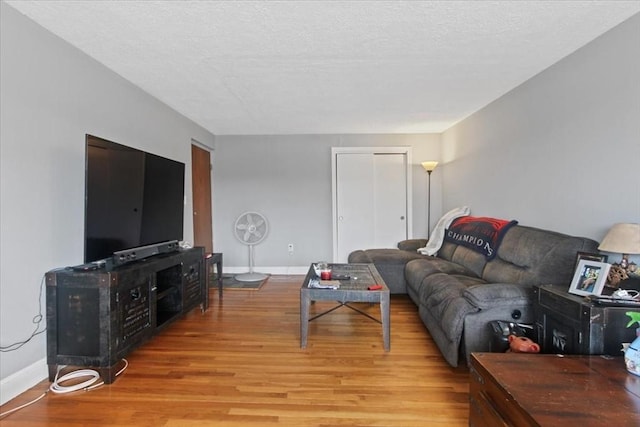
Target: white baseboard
{"points": [[23, 380], [269, 270]]}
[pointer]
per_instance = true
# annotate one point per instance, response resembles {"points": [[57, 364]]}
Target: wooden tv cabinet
{"points": [[95, 318], [509, 389]]}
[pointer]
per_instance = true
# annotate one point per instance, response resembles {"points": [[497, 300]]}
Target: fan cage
{"points": [[251, 228]]}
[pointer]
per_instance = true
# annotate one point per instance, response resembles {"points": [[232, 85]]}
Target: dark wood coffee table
{"points": [[352, 290]]}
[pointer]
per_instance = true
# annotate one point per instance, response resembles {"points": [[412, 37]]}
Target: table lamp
{"points": [[622, 238]]}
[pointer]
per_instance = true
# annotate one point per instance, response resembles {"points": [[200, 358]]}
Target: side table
{"points": [[570, 324], [211, 260]]}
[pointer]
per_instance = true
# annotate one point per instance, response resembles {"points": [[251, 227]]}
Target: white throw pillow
{"points": [[437, 235]]}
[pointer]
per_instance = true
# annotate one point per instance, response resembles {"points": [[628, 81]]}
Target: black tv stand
{"points": [[96, 317]]}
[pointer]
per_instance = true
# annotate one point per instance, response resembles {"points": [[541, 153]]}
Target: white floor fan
{"points": [[250, 229]]}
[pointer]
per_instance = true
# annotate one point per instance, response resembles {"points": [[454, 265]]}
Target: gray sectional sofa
{"points": [[459, 292]]}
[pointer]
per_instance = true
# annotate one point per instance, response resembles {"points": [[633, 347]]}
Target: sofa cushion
{"points": [[472, 260], [418, 269], [390, 264], [443, 295], [412, 244], [383, 256], [486, 296], [532, 256]]}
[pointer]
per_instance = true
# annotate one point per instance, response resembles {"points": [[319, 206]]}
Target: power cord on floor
{"points": [[88, 384], [94, 376], [37, 320], [58, 388], [11, 411]]}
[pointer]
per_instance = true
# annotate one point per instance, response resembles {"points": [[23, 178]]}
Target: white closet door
{"points": [[355, 203], [390, 200], [370, 201]]}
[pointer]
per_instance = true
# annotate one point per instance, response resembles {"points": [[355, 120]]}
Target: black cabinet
{"points": [[95, 318], [570, 324]]}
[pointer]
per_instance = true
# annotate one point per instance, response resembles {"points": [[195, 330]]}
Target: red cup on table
{"points": [[323, 270]]}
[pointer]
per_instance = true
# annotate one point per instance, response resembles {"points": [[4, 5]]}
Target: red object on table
{"points": [[325, 275]]}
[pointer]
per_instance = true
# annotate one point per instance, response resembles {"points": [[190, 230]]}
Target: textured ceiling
{"points": [[297, 67]]}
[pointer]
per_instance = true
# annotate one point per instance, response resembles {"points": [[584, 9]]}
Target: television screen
{"points": [[133, 198]]}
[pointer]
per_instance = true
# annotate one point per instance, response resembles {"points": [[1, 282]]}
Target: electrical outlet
{"points": [[290, 248]]}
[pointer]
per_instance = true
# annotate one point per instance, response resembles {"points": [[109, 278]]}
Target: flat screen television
{"points": [[132, 199]]}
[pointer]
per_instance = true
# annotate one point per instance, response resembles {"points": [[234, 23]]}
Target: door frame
{"points": [[406, 150], [210, 150]]}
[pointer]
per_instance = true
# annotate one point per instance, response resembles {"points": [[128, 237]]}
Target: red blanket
{"points": [[481, 234]]}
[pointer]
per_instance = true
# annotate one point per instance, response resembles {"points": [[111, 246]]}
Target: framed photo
{"points": [[591, 257], [589, 277]]}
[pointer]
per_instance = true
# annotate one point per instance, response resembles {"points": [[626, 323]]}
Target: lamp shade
{"points": [[429, 166], [622, 238]]}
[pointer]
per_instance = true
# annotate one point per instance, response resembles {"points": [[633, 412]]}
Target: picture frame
{"points": [[589, 277], [591, 257]]}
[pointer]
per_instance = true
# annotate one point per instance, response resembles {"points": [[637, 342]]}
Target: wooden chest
{"points": [[523, 389]]}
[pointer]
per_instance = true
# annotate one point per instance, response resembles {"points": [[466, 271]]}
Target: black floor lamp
{"points": [[429, 167]]}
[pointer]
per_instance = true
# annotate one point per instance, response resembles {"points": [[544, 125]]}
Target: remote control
{"points": [[616, 301]]}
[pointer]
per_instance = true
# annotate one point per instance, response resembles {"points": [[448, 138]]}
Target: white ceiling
{"points": [[300, 67]]}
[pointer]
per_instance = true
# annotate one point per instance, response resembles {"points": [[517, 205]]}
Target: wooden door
{"points": [[201, 188]]}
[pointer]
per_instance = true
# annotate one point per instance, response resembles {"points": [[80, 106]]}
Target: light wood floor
{"points": [[240, 364]]}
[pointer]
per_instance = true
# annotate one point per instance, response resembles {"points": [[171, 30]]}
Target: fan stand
{"points": [[251, 276]]}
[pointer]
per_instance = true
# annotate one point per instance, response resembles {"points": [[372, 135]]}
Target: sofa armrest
{"points": [[412, 244], [491, 295]]}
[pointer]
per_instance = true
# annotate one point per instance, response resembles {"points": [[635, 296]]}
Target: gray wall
{"points": [[561, 151], [288, 179], [51, 96]]}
